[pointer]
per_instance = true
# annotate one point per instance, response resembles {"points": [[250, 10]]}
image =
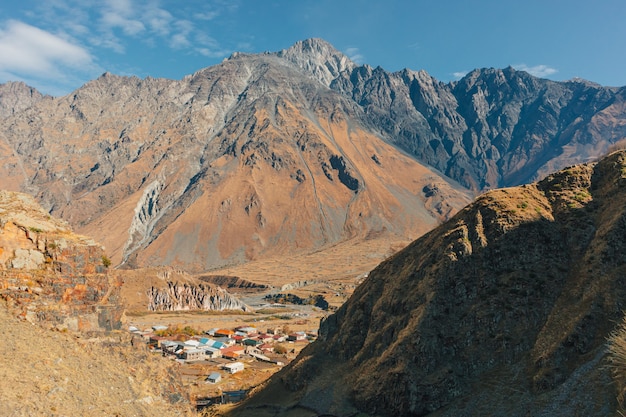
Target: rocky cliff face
{"points": [[493, 128], [183, 296], [503, 310], [17, 96], [288, 151], [49, 274]]}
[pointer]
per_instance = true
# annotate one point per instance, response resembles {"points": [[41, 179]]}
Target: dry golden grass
{"points": [[617, 361]]}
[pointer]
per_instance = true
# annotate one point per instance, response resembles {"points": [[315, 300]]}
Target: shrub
{"points": [[280, 349], [106, 261]]}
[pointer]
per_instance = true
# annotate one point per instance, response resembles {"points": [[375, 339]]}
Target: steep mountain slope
{"points": [[288, 151], [17, 96], [245, 159], [503, 310], [493, 128]]}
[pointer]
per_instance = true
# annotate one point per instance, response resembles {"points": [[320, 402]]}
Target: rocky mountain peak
{"points": [[17, 96], [319, 58]]}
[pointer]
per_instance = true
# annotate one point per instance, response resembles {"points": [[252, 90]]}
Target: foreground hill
{"points": [[74, 362], [503, 310], [288, 152], [51, 373]]}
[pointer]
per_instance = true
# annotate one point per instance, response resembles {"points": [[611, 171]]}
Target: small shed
{"points": [[234, 367], [250, 342], [214, 378]]}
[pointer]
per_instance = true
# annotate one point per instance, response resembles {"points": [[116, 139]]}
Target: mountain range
{"points": [[288, 152]]}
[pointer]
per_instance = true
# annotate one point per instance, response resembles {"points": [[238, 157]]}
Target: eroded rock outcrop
{"points": [[50, 275], [187, 296]]}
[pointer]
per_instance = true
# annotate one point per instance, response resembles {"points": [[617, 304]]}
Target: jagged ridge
{"points": [[143, 160]]}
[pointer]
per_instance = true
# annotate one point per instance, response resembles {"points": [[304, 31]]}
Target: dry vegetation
{"points": [[617, 361], [52, 373]]}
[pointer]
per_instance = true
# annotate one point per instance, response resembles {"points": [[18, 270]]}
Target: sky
{"points": [[58, 45]]}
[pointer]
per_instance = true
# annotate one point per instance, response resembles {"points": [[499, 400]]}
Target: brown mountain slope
{"points": [[297, 150], [503, 310], [245, 159]]}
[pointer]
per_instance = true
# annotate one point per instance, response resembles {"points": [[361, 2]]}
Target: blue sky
{"points": [[58, 45]]}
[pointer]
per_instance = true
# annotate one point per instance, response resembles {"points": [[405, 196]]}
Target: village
{"points": [[220, 365]]}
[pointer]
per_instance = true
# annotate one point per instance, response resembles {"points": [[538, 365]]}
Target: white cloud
{"points": [[459, 74], [159, 20], [53, 63], [355, 55], [209, 15], [30, 50], [209, 47], [538, 70]]}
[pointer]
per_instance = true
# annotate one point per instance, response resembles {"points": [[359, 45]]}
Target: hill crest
{"points": [[503, 310]]}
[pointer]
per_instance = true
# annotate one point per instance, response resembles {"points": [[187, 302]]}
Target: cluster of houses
{"points": [[226, 347], [229, 344]]}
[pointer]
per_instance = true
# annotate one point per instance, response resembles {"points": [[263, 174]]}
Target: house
{"points": [[265, 338], [214, 378], [238, 349], [212, 353], [211, 332], [233, 396], [275, 330], [246, 330], [234, 367], [170, 346], [266, 348], [297, 337], [231, 355], [193, 355], [250, 342], [216, 344], [156, 341], [192, 343], [228, 341], [223, 333], [279, 338]]}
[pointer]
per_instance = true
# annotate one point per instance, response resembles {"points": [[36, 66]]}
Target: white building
{"points": [[234, 367]]}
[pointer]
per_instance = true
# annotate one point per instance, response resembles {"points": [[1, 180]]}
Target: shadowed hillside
{"points": [[503, 310]]}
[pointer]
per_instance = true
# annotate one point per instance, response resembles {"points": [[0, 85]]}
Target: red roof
{"points": [[230, 355], [224, 332], [237, 349]]}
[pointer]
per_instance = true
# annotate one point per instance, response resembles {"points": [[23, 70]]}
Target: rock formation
{"points": [[503, 310], [183, 296], [49, 274]]}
